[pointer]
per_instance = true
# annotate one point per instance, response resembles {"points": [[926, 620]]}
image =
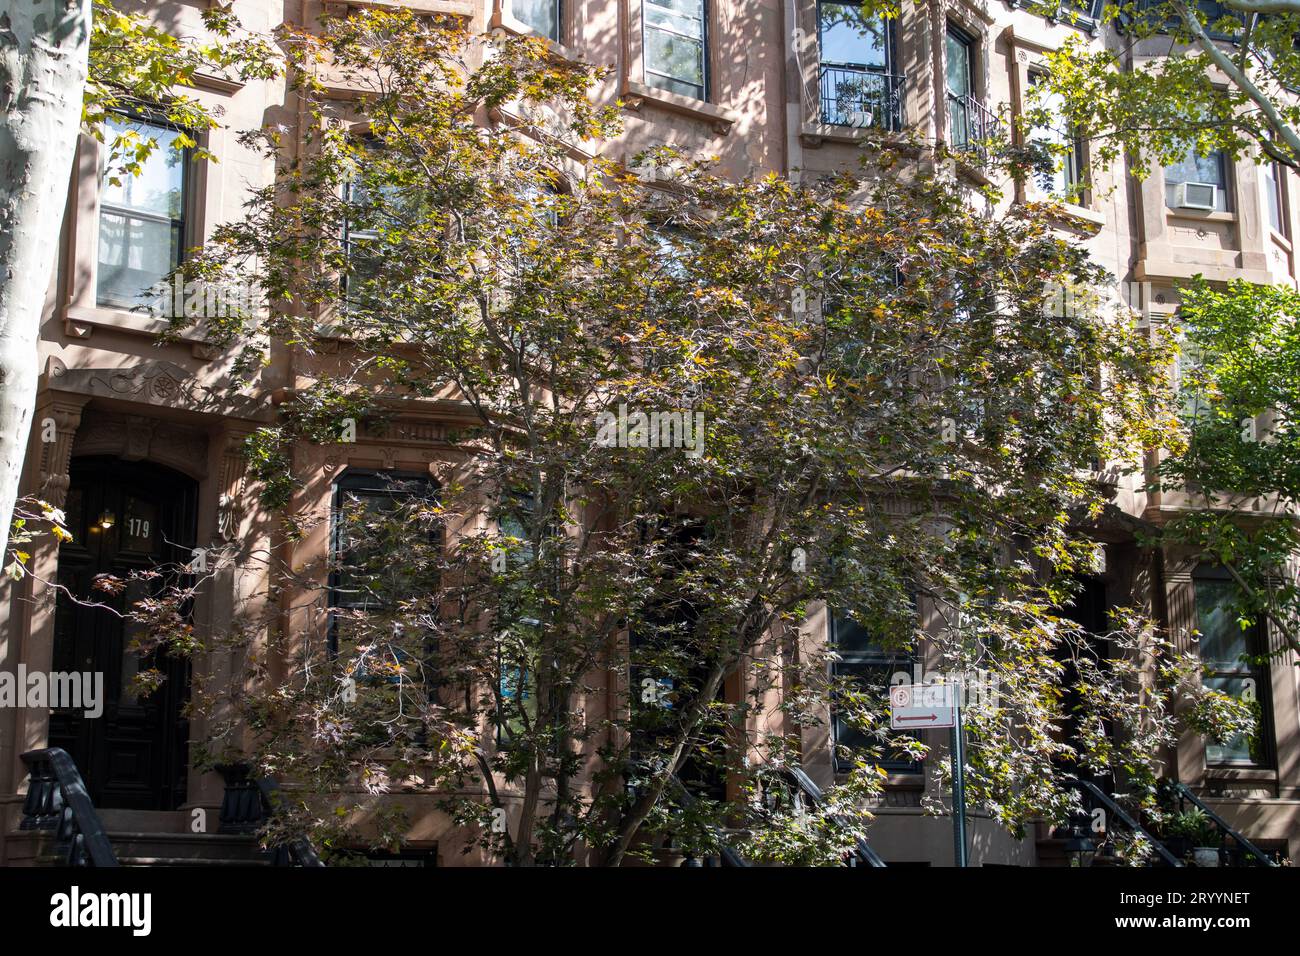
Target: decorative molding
{"points": [[56, 455], [158, 383], [141, 438], [232, 484]]}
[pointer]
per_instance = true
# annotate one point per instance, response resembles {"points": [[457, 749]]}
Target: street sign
{"points": [[922, 706]]}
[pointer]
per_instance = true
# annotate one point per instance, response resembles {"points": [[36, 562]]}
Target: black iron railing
{"points": [[972, 126], [1234, 849], [727, 856], [57, 800], [861, 98], [1093, 797], [246, 806], [863, 855]]}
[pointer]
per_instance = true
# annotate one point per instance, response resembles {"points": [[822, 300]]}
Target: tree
{"points": [[1219, 76], [679, 410], [43, 60], [1241, 466], [69, 68]]}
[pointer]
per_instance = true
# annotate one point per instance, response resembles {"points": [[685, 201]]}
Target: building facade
{"points": [[142, 445]]}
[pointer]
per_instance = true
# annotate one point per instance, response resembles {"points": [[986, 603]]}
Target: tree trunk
{"points": [[44, 53]]}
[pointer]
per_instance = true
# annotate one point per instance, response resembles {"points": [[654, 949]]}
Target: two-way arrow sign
{"points": [[922, 705]]}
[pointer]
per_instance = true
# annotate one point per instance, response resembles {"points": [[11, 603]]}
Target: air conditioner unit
{"points": [[1196, 195]]}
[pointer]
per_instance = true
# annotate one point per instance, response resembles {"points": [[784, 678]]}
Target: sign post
{"points": [[931, 706], [958, 789]]}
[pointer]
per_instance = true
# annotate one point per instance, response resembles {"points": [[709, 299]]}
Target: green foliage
{"points": [[1158, 109], [882, 385], [1241, 463], [139, 67]]}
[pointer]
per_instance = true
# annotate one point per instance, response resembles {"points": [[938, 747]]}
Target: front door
{"points": [[124, 517]]}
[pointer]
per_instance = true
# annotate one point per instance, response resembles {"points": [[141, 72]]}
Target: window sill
{"points": [[719, 118], [813, 134], [1080, 220], [1240, 774], [81, 320], [456, 8], [1200, 215], [1280, 240], [503, 20]]}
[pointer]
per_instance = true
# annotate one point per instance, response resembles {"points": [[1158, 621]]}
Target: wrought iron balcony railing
{"points": [[861, 98], [972, 126]]}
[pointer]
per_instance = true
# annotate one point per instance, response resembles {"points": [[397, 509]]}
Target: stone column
{"points": [[1180, 597], [29, 638], [232, 583]]}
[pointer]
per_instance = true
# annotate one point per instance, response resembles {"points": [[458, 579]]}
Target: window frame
{"points": [[559, 20], [1273, 175], [1256, 640], [183, 227], [1074, 162], [705, 40], [867, 659], [380, 482], [1226, 186], [891, 48]]}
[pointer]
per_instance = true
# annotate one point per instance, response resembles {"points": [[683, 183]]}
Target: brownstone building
{"points": [[144, 452]]}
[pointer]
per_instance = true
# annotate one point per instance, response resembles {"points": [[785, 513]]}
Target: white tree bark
{"points": [[44, 50]]}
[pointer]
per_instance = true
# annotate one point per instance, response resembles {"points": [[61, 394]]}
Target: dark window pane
{"points": [[1227, 652], [1222, 641]]}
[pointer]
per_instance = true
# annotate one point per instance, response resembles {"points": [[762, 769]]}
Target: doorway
{"points": [[124, 517]]}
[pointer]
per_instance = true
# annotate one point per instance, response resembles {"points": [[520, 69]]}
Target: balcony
{"points": [[972, 127], [861, 98]]}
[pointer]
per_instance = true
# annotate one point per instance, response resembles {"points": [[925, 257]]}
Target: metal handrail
{"points": [[298, 851], [978, 125], [57, 800], [729, 855], [1185, 793], [862, 849], [1120, 814]]}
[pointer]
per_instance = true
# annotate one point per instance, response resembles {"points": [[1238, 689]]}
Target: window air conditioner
{"points": [[1197, 195]]}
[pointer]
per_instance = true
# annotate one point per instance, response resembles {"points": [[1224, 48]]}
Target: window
{"points": [[1203, 170], [516, 679], [1065, 149], [858, 85], [384, 545], [540, 16], [969, 123], [1226, 650], [675, 38], [1273, 198], [850, 36], [142, 217], [865, 661], [373, 203]]}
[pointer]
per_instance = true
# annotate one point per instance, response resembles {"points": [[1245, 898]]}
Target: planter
{"points": [[1206, 856]]}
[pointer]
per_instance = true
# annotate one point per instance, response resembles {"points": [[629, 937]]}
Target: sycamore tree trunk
{"points": [[44, 50]]}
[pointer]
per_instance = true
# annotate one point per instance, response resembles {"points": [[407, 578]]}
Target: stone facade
{"points": [[113, 394]]}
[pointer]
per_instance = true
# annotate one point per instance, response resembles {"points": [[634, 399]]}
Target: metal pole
{"points": [[958, 787]]}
